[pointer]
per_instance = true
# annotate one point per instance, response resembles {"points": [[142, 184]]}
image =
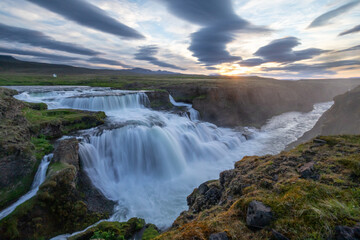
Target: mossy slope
{"points": [[305, 207]]}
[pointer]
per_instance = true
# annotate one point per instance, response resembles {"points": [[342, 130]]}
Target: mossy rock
{"points": [[112, 230]]}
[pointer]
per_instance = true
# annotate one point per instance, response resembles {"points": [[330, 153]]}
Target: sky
{"points": [[279, 38]]}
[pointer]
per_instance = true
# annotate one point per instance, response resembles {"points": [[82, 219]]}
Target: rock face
{"points": [[258, 215], [278, 196], [159, 100], [347, 233], [219, 236], [67, 152], [66, 201], [253, 102], [342, 118], [17, 160]]}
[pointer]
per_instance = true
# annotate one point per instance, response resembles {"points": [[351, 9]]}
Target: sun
{"points": [[233, 69]]}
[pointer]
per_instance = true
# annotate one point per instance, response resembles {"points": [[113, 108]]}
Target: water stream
{"points": [[38, 180], [149, 161]]}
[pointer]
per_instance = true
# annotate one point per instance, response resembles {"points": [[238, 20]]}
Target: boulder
{"points": [[219, 236], [347, 233], [68, 152], [258, 215], [307, 170]]}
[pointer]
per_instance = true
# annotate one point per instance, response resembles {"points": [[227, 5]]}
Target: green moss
{"points": [[113, 230], [42, 146], [150, 232], [63, 121], [37, 106]]}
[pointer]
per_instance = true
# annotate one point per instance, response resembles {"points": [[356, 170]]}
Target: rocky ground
{"points": [[311, 192]]}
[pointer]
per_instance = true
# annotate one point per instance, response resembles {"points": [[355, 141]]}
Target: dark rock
{"points": [[219, 236], [203, 188], [307, 170], [67, 152], [278, 236], [258, 215], [226, 177], [212, 196], [347, 233]]}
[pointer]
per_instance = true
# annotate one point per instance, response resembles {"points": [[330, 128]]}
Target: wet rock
{"points": [[258, 215], [347, 233], [67, 152], [219, 236], [278, 236], [205, 196], [307, 171]]}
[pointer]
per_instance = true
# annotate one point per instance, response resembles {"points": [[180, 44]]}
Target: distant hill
{"points": [[9, 64]]}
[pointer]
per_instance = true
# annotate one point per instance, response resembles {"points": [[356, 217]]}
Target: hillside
{"points": [[311, 192]]}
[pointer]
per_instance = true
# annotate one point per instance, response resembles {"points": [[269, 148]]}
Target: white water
{"points": [[193, 114], [149, 161], [38, 180]]}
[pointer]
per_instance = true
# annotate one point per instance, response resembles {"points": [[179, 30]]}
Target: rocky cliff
{"points": [[66, 202], [342, 118], [311, 192], [253, 102]]}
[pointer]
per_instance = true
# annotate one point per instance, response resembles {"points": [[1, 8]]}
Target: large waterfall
{"points": [[149, 161]]}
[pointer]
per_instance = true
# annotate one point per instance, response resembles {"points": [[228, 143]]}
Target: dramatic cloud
{"points": [[219, 24], [36, 54], [38, 39], [353, 30], [146, 53], [281, 51], [101, 60], [88, 15], [354, 48], [326, 17], [315, 69]]}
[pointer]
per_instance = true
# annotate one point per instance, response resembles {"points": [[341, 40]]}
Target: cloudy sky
{"points": [[278, 38]]}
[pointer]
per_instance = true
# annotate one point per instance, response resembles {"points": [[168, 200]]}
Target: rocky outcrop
{"points": [[306, 192], [66, 201], [342, 118], [159, 100]]}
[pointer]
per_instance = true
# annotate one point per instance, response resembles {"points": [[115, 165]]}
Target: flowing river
{"points": [[150, 161]]}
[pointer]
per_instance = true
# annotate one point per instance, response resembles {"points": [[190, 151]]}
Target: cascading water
{"points": [[149, 161], [38, 180], [193, 114]]}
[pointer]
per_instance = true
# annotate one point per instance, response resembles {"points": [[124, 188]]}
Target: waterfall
{"points": [[149, 161], [38, 180], [107, 103], [193, 114]]}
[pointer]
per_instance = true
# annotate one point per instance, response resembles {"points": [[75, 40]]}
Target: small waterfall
{"points": [[193, 114], [107, 103], [38, 180]]}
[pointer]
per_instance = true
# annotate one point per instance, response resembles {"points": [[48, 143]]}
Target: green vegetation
{"points": [[113, 230], [150, 232], [61, 121], [135, 82], [304, 207], [42, 146]]}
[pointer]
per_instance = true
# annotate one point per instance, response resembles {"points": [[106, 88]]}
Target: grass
{"points": [[303, 208], [66, 120]]}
